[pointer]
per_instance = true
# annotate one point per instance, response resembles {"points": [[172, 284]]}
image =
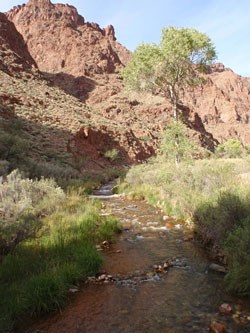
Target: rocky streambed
{"points": [[155, 278]]}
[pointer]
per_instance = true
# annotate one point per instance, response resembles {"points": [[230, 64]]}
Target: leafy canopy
{"points": [[173, 64]]}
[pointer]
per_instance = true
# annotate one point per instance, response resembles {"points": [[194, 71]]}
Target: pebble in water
{"points": [[217, 327], [217, 268], [225, 308]]}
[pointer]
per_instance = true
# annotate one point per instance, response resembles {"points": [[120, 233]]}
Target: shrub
{"points": [[22, 202], [4, 167], [230, 149], [112, 155], [216, 219], [237, 247], [13, 148], [176, 144]]}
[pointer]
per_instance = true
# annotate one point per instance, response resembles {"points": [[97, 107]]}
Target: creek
{"points": [[155, 278]]}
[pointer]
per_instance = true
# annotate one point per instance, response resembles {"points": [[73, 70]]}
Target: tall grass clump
{"points": [[37, 275]]}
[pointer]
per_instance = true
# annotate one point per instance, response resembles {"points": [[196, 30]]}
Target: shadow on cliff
{"points": [[79, 87], [58, 149], [193, 121]]}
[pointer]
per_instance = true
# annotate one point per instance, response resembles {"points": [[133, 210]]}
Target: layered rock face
{"points": [[60, 40]]}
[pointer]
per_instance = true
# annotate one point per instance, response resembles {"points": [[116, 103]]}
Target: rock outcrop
{"points": [[14, 55], [223, 104], [58, 127], [60, 40]]}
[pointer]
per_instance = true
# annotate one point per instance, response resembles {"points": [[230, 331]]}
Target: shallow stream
{"points": [[159, 281]]}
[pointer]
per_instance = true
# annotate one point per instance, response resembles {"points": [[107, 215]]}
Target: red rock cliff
{"points": [[14, 55], [59, 39]]}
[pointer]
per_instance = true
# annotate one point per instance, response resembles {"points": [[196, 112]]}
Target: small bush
{"points": [[176, 145], [112, 155], [237, 246], [4, 167], [22, 202], [215, 220], [230, 149], [13, 147]]}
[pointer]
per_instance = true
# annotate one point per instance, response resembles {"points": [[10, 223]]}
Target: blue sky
{"points": [[227, 22]]}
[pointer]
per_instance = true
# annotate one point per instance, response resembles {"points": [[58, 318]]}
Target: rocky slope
{"points": [[60, 131], [80, 101]]}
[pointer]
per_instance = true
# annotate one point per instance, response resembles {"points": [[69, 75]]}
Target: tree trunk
{"points": [[175, 111], [174, 96], [177, 142]]}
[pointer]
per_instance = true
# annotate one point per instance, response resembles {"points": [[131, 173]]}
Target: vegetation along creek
{"points": [[166, 248], [156, 278]]}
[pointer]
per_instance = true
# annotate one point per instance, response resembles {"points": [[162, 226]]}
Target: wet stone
{"points": [[166, 217], [73, 290], [105, 245], [225, 308], [217, 268], [217, 327]]}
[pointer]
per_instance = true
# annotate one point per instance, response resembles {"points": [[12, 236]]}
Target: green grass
{"points": [[36, 276]]}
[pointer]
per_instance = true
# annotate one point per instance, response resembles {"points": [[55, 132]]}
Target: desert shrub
{"points": [[176, 144], [22, 202], [216, 219], [52, 169], [237, 247], [4, 167], [230, 149], [183, 188], [112, 155], [13, 146]]}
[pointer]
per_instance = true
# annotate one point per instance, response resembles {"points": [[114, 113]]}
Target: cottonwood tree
{"points": [[171, 66]]}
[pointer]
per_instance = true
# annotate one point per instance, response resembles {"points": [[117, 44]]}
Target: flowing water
{"points": [[159, 281]]}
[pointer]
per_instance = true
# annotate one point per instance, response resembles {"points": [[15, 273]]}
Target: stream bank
{"points": [[155, 279]]}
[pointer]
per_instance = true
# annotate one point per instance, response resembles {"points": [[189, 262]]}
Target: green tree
{"points": [[169, 67]]}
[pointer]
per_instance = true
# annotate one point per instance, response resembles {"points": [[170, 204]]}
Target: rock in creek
{"points": [[217, 268], [105, 245], [103, 278], [217, 327], [73, 290], [162, 268], [225, 308]]}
